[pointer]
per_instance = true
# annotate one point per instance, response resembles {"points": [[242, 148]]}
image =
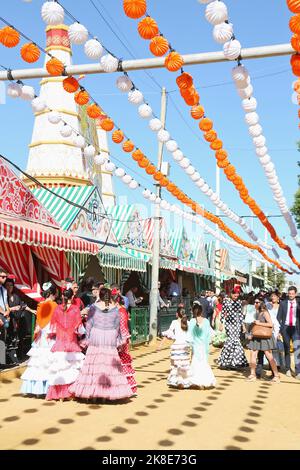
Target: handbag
{"points": [[262, 331]]}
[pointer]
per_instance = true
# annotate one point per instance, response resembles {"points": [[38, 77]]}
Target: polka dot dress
{"points": [[232, 354]]}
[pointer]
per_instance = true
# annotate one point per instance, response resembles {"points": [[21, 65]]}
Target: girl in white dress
{"points": [[201, 374], [180, 351]]}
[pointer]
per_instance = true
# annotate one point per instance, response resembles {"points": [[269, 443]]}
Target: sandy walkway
{"points": [[235, 415]]}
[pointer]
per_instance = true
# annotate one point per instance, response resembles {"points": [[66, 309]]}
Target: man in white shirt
{"points": [[4, 314], [133, 301], [289, 319], [174, 289]]}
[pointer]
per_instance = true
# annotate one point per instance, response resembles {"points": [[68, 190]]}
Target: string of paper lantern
{"points": [[294, 24], [245, 90], [52, 14], [185, 82]]}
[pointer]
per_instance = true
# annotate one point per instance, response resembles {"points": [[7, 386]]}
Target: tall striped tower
{"points": [[54, 160]]}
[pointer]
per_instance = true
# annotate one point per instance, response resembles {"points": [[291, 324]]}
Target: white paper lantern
{"points": [[214, 197], [93, 49], [249, 105], [126, 179], [79, 141], [200, 183], [54, 117], [172, 208], [38, 105], [261, 151], [265, 159], [255, 130], [171, 146], [109, 63], [232, 49], [78, 34], [100, 159], [133, 184], [185, 162], [178, 155], [269, 168], [66, 131], [155, 124], [195, 176], [89, 151], [110, 167], [157, 200], [163, 204], [190, 170], [242, 84], [222, 32], [28, 93], [245, 93], [240, 73], [146, 193], [14, 90], [259, 141], [163, 136], [251, 119], [216, 12], [145, 111], [135, 97], [120, 172], [52, 13], [152, 197], [205, 188], [124, 83]]}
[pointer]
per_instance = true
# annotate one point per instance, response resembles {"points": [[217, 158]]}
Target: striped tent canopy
{"points": [[168, 259], [189, 251], [129, 230], [225, 263]]}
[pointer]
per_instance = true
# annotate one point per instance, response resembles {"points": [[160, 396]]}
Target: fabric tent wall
{"points": [[54, 262], [17, 259]]}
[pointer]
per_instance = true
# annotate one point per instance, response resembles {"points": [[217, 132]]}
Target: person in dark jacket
{"points": [[206, 307], [289, 319]]}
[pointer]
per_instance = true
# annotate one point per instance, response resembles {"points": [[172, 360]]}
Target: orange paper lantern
{"points": [[82, 97], [221, 154], [135, 8], [107, 124], [117, 136], [295, 24], [70, 84], [223, 163], [164, 182], [174, 62], [217, 144], [295, 42], [94, 112], [293, 5], [55, 67], [128, 146], [210, 136], [197, 112], [148, 28], [184, 81], [30, 53], [144, 163], [137, 155], [150, 170], [158, 176], [9, 37], [159, 46], [206, 124]]}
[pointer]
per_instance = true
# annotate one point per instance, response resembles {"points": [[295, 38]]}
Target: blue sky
{"points": [[255, 23]]}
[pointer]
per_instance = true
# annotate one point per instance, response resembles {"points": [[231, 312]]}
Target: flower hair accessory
{"points": [[114, 291], [46, 285]]}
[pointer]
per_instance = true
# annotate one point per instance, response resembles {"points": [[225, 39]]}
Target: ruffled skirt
{"points": [[63, 371]]}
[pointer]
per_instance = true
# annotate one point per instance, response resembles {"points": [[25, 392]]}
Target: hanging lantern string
{"points": [[263, 217], [26, 37]]}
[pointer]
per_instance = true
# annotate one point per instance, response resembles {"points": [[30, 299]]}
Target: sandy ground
{"points": [[234, 415]]}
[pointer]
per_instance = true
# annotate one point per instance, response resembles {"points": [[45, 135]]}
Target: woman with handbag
{"points": [[262, 340]]}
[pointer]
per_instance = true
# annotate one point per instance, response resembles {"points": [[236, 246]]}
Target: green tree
{"points": [[276, 279]]}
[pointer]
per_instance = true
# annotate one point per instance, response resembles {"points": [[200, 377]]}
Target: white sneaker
{"points": [[297, 377], [288, 373]]}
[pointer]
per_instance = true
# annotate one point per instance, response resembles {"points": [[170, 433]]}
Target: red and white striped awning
{"points": [[17, 230]]}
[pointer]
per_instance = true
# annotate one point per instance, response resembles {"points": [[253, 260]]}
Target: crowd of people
{"points": [[81, 343]]}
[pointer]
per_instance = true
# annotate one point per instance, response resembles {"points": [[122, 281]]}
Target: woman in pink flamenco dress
{"points": [[126, 359], [102, 375], [67, 358]]}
